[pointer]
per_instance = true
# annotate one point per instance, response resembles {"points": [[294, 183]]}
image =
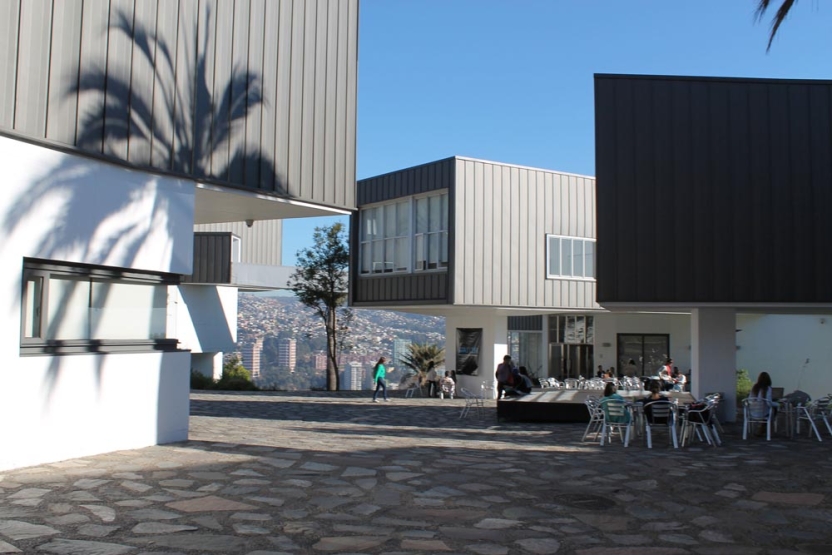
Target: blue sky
{"points": [[511, 80]]}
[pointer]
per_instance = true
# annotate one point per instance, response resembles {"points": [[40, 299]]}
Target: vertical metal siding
{"points": [[33, 67], [62, 113], [503, 262], [729, 180], [260, 244], [163, 83], [212, 258], [9, 22], [416, 288]]}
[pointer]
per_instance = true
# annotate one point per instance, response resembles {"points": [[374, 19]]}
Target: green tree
{"points": [[320, 282], [779, 16], [235, 377], [419, 356]]}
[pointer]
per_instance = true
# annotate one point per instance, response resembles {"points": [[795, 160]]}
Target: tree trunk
{"points": [[332, 377]]}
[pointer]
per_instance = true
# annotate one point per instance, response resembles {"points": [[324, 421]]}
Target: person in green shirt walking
{"points": [[378, 377]]}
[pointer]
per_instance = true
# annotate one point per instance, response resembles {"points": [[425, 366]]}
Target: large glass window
{"points": [[570, 257], [68, 308], [389, 243]]}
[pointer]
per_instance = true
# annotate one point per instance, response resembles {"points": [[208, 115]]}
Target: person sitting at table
{"points": [[447, 386], [666, 375], [655, 395], [524, 385], [679, 379], [610, 394]]}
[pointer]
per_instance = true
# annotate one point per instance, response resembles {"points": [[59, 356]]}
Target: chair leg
{"points": [[826, 421], [627, 435], [815, 428], [715, 435], [673, 435], [648, 433]]}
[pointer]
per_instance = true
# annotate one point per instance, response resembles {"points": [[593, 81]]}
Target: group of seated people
{"points": [[441, 386]]}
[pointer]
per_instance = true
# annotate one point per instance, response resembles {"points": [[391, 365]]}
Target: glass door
{"points": [[649, 351]]}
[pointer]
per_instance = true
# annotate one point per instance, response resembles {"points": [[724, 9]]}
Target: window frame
{"points": [[45, 270], [412, 237], [583, 242]]}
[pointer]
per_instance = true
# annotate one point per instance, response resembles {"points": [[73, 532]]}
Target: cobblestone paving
{"points": [[265, 474]]}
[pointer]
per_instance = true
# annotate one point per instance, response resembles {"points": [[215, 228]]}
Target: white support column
{"points": [[494, 346], [713, 347]]}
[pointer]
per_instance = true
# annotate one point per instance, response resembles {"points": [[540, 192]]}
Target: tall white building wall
{"points": [[795, 350], [63, 207]]}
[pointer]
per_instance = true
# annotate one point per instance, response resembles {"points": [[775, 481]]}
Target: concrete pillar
{"points": [[714, 356], [494, 346], [207, 364]]}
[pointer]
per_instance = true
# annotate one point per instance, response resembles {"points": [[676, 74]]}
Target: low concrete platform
{"points": [[562, 405]]}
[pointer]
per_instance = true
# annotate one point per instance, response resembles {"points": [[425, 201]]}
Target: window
{"points": [[72, 309], [570, 257], [409, 234]]}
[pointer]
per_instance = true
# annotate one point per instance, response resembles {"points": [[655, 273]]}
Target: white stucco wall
{"points": [[57, 408], [64, 207], [608, 325], [494, 347], [781, 345], [206, 318]]}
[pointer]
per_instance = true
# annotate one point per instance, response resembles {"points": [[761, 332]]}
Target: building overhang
{"points": [[215, 204]]}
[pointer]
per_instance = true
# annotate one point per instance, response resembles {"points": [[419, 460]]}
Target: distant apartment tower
{"points": [[287, 354], [251, 357], [320, 361], [399, 352], [353, 377]]}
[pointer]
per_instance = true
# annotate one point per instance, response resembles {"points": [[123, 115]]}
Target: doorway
{"points": [[568, 360], [649, 351]]}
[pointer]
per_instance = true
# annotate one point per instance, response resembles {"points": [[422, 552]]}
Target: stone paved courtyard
{"points": [[268, 473]]}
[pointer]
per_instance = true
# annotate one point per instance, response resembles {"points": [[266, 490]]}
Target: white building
{"points": [[111, 156], [287, 354], [354, 377]]}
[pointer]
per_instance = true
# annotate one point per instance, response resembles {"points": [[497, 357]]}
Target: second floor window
{"points": [[406, 235], [570, 257]]}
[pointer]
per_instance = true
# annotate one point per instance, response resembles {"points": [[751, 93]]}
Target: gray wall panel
{"points": [[243, 69], [9, 22], [247, 93], [731, 177], [92, 79], [33, 67], [164, 86], [260, 244], [141, 124], [212, 258], [117, 86], [503, 214], [406, 182], [254, 124], [62, 108], [401, 289]]}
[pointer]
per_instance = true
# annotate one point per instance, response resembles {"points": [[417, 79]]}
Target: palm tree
{"points": [[419, 357], [778, 18]]}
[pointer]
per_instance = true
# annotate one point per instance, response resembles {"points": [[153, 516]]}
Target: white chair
{"points": [[596, 418], [617, 416], [813, 411], [413, 388], [757, 411], [699, 422], [660, 414], [472, 402]]}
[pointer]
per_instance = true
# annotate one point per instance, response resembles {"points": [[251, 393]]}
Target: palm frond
{"points": [[777, 20]]}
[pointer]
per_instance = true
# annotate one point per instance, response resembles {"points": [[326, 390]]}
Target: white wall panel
{"points": [[101, 213], [75, 406]]}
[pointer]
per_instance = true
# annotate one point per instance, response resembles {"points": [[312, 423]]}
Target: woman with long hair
{"points": [[762, 389], [378, 377]]}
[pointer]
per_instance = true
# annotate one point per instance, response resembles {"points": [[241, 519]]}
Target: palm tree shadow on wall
{"points": [[118, 238]]}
